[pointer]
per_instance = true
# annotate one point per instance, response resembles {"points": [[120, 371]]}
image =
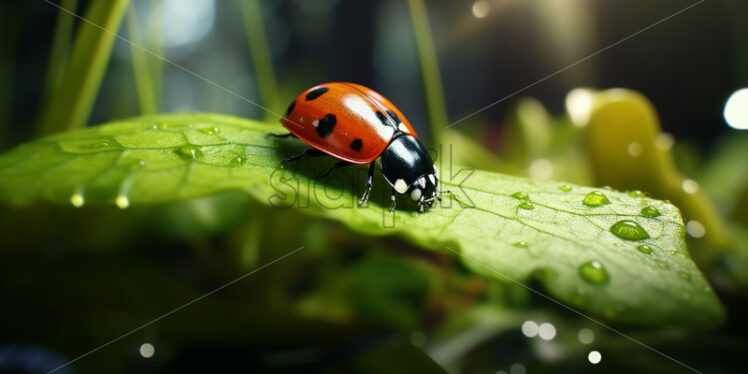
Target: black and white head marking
{"points": [[408, 167]]}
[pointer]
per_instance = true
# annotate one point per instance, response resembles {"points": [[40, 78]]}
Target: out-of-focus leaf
{"points": [[622, 139], [725, 177], [594, 249]]}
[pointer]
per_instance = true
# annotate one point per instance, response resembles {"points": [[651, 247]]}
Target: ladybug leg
{"points": [[369, 180], [394, 202], [311, 152], [281, 136], [337, 165]]}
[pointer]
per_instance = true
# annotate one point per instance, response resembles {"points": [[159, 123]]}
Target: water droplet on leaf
{"points": [[174, 126], [210, 130], [238, 160], [77, 200], [595, 198], [637, 194], [527, 205], [629, 230], [564, 187], [650, 212], [521, 196], [644, 248], [521, 244], [188, 152], [122, 201], [593, 272]]}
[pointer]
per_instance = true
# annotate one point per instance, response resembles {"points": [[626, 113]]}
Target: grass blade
{"points": [[140, 66], [261, 57], [71, 104], [432, 82], [58, 55]]}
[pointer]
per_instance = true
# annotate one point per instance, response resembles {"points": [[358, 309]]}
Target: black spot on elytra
{"points": [[356, 144], [315, 93], [325, 125], [290, 108], [394, 116]]}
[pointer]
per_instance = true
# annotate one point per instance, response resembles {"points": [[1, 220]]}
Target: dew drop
{"points": [[521, 244], [593, 272], [637, 194], [521, 196], [650, 212], [238, 160], [77, 199], [644, 248], [122, 201], [96, 145], [564, 187], [662, 264], [595, 198], [527, 205], [210, 130], [188, 152], [174, 126], [629, 230]]}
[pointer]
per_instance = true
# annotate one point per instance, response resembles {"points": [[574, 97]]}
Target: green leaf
{"points": [[622, 140], [518, 230]]}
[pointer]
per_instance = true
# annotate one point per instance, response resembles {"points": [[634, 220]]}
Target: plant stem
{"points": [[141, 70], [261, 57], [71, 104], [155, 45], [58, 55], [432, 83]]}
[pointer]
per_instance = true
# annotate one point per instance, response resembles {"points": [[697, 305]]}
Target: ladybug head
{"points": [[423, 191], [408, 167]]}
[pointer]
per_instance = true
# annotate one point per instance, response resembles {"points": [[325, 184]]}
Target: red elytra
{"points": [[345, 120]]}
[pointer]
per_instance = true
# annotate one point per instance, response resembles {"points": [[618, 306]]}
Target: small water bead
{"points": [[238, 160], [565, 187], [174, 126], [662, 264], [77, 200], [122, 201], [650, 212], [593, 272], [595, 198], [644, 248], [521, 244], [629, 230], [637, 194], [188, 152], [528, 205], [521, 196], [210, 130], [92, 146]]}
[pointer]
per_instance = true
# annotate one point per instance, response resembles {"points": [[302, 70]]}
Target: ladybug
{"points": [[357, 125]]}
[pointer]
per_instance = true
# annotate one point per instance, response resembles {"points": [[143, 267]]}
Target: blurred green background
{"points": [[73, 279]]}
